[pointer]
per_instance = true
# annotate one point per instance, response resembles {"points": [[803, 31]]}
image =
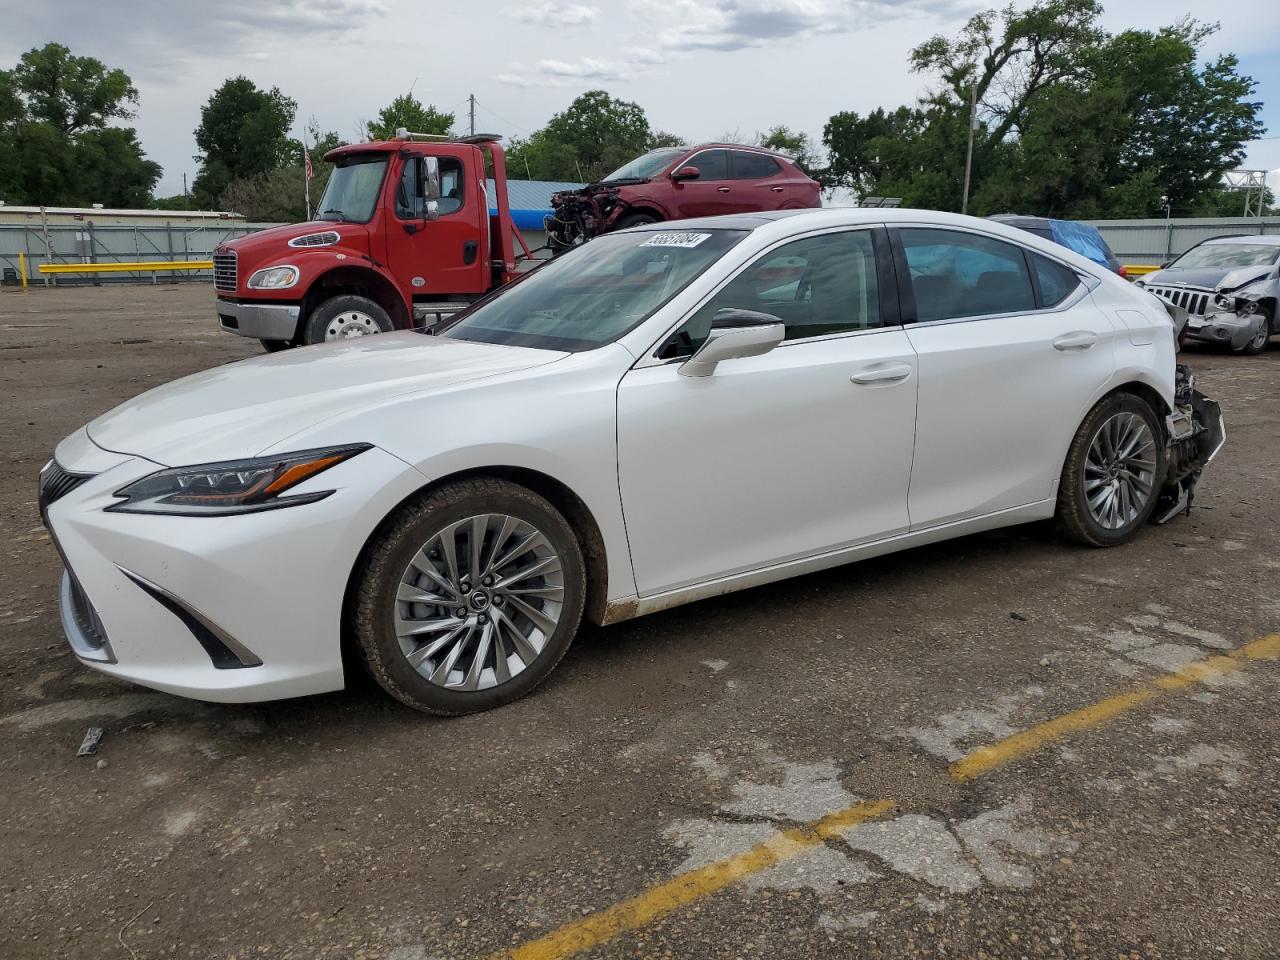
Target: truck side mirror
{"points": [[430, 210], [430, 178]]}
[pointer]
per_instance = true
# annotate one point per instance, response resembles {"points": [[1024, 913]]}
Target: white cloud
{"points": [[549, 13], [585, 68]]}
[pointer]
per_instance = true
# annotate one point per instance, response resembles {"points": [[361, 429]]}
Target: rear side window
{"points": [[753, 166], [956, 274], [711, 164], [1056, 281]]}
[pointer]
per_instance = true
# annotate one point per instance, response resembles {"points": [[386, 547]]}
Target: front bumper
{"points": [[266, 321], [1232, 329], [232, 609]]}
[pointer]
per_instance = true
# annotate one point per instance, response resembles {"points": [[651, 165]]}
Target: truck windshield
{"points": [[650, 165], [594, 294], [352, 191], [1228, 255]]}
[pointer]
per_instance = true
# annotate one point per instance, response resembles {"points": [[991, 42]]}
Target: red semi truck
{"points": [[402, 235]]}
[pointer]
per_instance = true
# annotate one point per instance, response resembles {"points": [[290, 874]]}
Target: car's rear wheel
{"points": [[1112, 473], [469, 597]]}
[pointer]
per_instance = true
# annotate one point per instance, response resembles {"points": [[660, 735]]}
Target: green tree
{"points": [[794, 143], [56, 145], [408, 112], [592, 137], [279, 194], [243, 133]]}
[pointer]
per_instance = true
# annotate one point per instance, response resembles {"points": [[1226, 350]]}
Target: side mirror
{"points": [[430, 178], [686, 173], [734, 333], [431, 210]]}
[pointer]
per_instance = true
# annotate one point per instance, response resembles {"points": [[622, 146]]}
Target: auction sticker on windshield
{"points": [[675, 239]]}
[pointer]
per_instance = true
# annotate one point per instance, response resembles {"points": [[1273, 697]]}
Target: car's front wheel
{"points": [[469, 597], [1112, 473]]}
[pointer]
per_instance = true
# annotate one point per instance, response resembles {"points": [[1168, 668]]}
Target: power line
{"points": [[499, 116]]}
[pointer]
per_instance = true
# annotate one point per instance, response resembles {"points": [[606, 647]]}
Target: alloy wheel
{"points": [[351, 323], [1119, 472], [479, 601]]}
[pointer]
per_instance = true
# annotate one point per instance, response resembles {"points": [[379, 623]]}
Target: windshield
{"points": [[1228, 255], [594, 294], [650, 165], [352, 191]]}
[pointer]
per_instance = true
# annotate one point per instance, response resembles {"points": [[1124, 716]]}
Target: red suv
{"points": [[673, 183]]}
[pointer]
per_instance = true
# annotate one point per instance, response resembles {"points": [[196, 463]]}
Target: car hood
{"points": [[242, 409], [1210, 278]]}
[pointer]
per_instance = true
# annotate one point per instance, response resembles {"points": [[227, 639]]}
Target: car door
{"points": [[759, 182], [712, 193], [802, 450], [1011, 350], [441, 256]]}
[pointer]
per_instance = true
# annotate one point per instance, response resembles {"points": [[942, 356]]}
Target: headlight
{"points": [[274, 278], [1225, 301], [236, 486]]}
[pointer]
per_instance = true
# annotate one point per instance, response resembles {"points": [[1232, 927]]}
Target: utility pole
{"points": [[472, 100], [968, 157]]}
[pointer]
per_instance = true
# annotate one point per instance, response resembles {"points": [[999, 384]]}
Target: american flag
{"points": [[306, 163]]}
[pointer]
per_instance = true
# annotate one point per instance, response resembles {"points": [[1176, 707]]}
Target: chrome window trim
{"points": [[649, 356], [1088, 282]]}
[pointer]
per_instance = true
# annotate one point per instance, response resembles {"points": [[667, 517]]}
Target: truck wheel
{"points": [[346, 316], [636, 220], [468, 597], [1113, 472], [271, 346]]}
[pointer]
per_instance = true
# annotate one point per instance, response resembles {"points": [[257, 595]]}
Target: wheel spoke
{"points": [[509, 525], [479, 525], [472, 681], [549, 565], [550, 592], [540, 619], [429, 650], [449, 547], [411, 594], [422, 563], [441, 673], [525, 649], [415, 628], [530, 542]]}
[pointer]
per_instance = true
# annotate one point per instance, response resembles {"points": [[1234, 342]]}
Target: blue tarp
{"points": [[1083, 238]]}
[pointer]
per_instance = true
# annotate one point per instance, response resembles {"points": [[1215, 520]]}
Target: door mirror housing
{"points": [[686, 173], [430, 210], [734, 333], [431, 179]]}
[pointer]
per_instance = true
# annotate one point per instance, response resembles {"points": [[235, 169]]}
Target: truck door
{"points": [[444, 256]]}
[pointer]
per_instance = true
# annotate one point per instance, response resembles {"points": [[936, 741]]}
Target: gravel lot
{"points": [[348, 826]]}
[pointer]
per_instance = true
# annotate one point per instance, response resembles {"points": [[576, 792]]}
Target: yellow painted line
{"points": [[1028, 741], [657, 902], [665, 898], [136, 267]]}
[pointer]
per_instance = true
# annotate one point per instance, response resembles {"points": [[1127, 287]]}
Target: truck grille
{"points": [[1195, 302], [225, 272]]}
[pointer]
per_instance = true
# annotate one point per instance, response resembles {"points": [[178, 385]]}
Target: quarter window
{"points": [[753, 166], [956, 274], [1056, 281], [817, 286]]}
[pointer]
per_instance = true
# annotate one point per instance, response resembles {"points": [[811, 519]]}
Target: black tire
{"points": [[1074, 519], [273, 346], [336, 311], [374, 606], [636, 220]]}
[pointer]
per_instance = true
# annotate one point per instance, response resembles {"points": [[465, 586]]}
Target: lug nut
{"points": [[487, 581], [482, 618], [466, 588], [461, 612], [498, 601]]}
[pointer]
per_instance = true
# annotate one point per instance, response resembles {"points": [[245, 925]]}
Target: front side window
{"points": [[409, 200], [595, 293], [352, 191], [956, 274], [817, 286], [711, 164], [753, 166], [1227, 255]]}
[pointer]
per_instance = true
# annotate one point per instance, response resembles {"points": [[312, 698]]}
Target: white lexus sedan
{"points": [[664, 414]]}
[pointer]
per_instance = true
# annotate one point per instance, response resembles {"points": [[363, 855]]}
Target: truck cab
{"points": [[402, 235]]}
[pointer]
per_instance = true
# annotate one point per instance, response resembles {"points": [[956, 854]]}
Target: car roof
{"points": [[1271, 240]]}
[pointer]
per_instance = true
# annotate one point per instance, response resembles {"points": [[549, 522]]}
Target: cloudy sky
{"points": [[700, 68]]}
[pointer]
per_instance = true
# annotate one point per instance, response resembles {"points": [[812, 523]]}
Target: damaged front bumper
{"points": [[1195, 433], [1235, 329]]}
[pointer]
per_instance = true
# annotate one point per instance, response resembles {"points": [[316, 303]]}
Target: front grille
{"points": [[326, 239], [56, 483], [225, 271], [1195, 302], [82, 612]]}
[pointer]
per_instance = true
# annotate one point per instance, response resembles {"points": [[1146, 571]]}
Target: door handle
{"points": [[776, 189], [722, 189], [882, 373], [1076, 340]]}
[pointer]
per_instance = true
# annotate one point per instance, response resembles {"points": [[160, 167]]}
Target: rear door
{"points": [[1011, 352], [759, 182], [712, 193]]}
